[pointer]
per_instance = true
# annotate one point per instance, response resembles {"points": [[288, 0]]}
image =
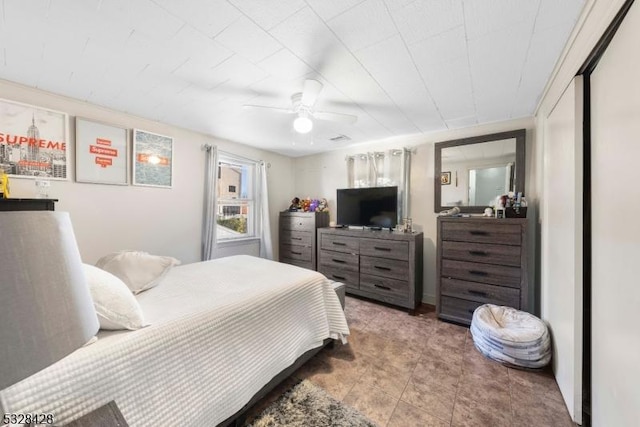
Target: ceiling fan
{"points": [[302, 105]]}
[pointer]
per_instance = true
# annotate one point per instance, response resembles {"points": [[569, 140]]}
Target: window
{"points": [[236, 204]]}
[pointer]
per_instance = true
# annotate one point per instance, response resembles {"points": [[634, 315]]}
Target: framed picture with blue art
{"points": [[152, 159]]}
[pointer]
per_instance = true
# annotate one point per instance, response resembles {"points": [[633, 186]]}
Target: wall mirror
{"points": [[471, 172]]}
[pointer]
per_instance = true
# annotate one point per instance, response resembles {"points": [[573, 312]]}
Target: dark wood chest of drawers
{"points": [[298, 237], [480, 261], [381, 265], [27, 204]]}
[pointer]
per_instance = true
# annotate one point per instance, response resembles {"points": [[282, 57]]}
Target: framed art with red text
{"points": [[101, 153], [34, 141]]}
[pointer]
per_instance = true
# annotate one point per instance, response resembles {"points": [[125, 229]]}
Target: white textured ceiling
{"points": [[403, 67]]}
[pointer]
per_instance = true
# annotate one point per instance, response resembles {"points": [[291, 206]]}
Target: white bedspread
{"points": [[220, 330]]}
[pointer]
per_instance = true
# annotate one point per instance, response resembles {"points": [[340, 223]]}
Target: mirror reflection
{"points": [[475, 174], [471, 172]]}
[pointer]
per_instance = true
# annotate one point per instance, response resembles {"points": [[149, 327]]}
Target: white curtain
{"points": [[266, 245], [382, 169], [209, 212]]}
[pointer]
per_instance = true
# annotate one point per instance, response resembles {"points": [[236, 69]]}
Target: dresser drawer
{"points": [[384, 267], [339, 243], [482, 252], [298, 263], [342, 261], [296, 237], [299, 223], [460, 310], [505, 234], [385, 248], [350, 278], [384, 286], [484, 273], [302, 253], [480, 292]]}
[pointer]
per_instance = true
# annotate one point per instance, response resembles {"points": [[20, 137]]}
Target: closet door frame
{"points": [[586, 70]]}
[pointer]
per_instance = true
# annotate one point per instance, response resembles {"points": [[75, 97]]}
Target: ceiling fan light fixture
{"points": [[302, 124]]}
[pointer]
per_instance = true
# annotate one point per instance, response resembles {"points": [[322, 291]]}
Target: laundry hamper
{"points": [[511, 337]]}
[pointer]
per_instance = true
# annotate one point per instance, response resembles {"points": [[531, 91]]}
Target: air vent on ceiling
{"points": [[340, 138]]}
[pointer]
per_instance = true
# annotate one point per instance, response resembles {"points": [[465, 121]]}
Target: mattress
{"points": [[219, 331]]}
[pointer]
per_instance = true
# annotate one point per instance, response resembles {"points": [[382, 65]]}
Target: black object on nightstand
{"points": [[27, 204], [105, 416]]}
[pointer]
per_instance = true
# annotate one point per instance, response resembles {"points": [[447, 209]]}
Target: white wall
{"points": [[107, 218], [615, 149], [320, 175]]}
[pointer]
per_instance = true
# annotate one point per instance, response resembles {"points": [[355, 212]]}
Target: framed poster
{"points": [[101, 153], [445, 178], [152, 159], [33, 141]]}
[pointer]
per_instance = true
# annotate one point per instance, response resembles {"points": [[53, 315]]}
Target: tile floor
{"points": [[402, 370]]}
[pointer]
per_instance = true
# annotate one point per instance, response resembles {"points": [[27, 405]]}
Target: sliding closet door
{"points": [[562, 213], [615, 189]]}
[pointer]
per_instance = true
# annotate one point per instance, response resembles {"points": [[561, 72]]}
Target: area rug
{"points": [[307, 405]]}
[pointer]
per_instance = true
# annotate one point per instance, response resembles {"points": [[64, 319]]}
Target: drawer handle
{"points": [[296, 238], [478, 273], [381, 268], [478, 233], [296, 253], [377, 248], [477, 293], [339, 243], [339, 261], [478, 253], [386, 288], [338, 277]]}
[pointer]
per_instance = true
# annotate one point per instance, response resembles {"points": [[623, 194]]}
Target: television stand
{"points": [[377, 264]]}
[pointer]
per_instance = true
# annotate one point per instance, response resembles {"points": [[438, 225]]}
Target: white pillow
{"points": [[138, 270], [116, 307]]}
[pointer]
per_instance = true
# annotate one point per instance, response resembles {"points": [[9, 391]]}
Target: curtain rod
{"points": [[238, 157], [208, 147], [246, 159], [410, 150]]}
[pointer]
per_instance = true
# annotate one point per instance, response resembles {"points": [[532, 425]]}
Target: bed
{"points": [[219, 332]]}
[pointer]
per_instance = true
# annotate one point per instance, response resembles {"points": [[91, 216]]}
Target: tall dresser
{"points": [[381, 265], [480, 260], [298, 237]]}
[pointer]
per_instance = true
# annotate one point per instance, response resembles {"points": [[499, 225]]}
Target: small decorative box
{"points": [[512, 212]]}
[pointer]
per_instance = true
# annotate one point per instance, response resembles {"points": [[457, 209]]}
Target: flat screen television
{"points": [[369, 207]]}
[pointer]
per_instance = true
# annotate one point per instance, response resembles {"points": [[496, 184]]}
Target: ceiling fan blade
{"points": [[336, 117], [266, 107], [310, 92]]}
